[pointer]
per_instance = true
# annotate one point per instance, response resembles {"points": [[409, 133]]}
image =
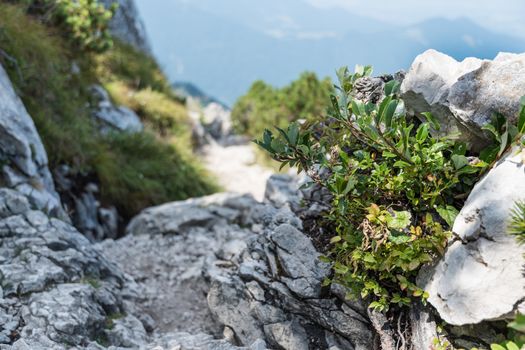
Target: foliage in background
{"points": [[135, 80], [264, 105], [84, 23], [396, 188], [134, 171]]}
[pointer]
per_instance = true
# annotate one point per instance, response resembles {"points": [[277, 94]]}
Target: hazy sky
{"points": [[504, 16], [224, 45]]}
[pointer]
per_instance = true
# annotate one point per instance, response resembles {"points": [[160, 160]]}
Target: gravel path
{"points": [[236, 169]]}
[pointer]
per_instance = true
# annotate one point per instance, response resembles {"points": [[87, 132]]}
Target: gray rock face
{"points": [[481, 275], [187, 236], [58, 292], [23, 158], [111, 117], [371, 89], [261, 275], [281, 190], [82, 202], [464, 95], [55, 288], [127, 25], [216, 119]]}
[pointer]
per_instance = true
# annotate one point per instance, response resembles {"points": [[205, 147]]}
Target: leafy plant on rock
{"points": [[396, 188]]}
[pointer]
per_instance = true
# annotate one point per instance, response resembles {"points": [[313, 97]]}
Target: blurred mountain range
{"points": [[223, 46]]}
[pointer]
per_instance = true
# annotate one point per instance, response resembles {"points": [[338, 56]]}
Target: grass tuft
{"points": [[134, 170]]}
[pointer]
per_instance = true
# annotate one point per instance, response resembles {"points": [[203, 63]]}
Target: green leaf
{"points": [[391, 87], [335, 105], [335, 239], [399, 220], [358, 108], [278, 146], [368, 70], [389, 113], [350, 185], [433, 122], [342, 73], [401, 239], [448, 213], [519, 323], [497, 347], [422, 132], [460, 148], [459, 161], [293, 133], [382, 107], [504, 141], [521, 119], [512, 346], [414, 264], [359, 70], [304, 149], [369, 258], [489, 154]]}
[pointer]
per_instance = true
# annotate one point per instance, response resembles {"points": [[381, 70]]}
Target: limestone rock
{"points": [[216, 119], [127, 26], [174, 217], [261, 274], [82, 201], [281, 190], [22, 154], [111, 117], [481, 276], [56, 289], [464, 95]]}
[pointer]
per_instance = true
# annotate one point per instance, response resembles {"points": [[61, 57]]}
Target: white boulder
{"points": [[463, 96], [480, 277]]}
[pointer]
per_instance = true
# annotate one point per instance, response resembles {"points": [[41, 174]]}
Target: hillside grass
{"points": [[134, 170]]}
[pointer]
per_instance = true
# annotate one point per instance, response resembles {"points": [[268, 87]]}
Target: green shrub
{"points": [[85, 23], [396, 189], [265, 105]]}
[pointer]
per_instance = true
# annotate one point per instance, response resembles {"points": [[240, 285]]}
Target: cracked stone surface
{"points": [[481, 277], [260, 273], [463, 96], [57, 291], [22, 154]]}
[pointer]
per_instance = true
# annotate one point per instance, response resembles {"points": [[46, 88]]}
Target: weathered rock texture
{"points": [[55, 288], [127, 25], [58, 292], [23, 159], [481, 275], [261, 274], [111, 117], [463, 96]]}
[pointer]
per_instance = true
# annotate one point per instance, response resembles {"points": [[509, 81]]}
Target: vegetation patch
{"points": [[264, 105], [53, 77], [396, 188]]}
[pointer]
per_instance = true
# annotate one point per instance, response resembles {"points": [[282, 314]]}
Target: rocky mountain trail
{"points": [[230, 157], [240, 270]]}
